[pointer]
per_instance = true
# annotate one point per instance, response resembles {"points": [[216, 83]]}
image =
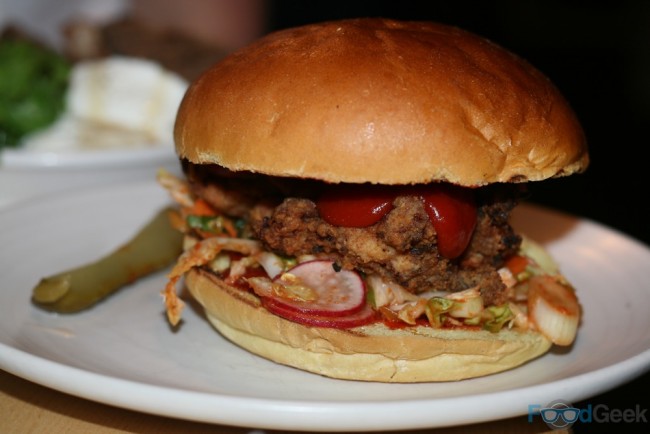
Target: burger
{"points": [[346, 198]]}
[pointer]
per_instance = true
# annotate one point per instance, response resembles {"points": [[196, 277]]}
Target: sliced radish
{"points": [[362, 317], [319, 290]]}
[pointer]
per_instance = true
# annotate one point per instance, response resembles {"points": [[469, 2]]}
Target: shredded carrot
{"points": [[517, 264], [229, 227], [201, 208], [173, 304], [177, 221]]}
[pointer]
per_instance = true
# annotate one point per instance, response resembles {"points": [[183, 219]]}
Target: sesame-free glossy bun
{"points": [[381, 101], [368, 353]]}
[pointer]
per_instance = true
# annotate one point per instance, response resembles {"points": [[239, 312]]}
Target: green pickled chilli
{"points": [[154, 247]]}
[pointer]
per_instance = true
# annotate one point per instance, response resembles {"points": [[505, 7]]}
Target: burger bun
{"points": [[373, 352]]}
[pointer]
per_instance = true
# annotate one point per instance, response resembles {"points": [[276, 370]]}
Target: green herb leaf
{"points": [[33, 84]]}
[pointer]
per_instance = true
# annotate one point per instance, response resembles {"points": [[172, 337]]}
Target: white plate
{"points": [[123, 353], [145, 156]]}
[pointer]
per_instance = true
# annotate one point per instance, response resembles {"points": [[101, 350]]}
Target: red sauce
{"points": [[240, 282], [397, 324], [423, 322], [355, 206], [451, 209], [453, 213]]}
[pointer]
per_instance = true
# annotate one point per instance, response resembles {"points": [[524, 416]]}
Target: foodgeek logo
{"points": [[560, 414]]}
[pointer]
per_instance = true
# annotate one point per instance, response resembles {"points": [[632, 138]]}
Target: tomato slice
{"points": [[332, 292]]}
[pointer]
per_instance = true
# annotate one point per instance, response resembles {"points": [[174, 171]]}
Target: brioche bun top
{"points": [[380, 101]]}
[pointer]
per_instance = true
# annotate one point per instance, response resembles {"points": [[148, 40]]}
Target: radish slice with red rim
{"points": [[329, 292], [362, 317]]}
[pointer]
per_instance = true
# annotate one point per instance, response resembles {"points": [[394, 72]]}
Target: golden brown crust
{"points": [[369, 353], [373, 100]]}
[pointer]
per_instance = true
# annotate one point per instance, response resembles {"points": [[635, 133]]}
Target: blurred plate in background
{"points": [[88, 159]]}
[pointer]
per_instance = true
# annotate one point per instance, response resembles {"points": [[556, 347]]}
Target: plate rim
{"points": [[302, 415]]}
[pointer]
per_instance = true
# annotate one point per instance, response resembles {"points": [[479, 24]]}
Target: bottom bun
{"points": [[367, 353]]}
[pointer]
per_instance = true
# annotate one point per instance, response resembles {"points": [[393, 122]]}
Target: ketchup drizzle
{"points": [[451, 210], [355, 206], [453, 213]]}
